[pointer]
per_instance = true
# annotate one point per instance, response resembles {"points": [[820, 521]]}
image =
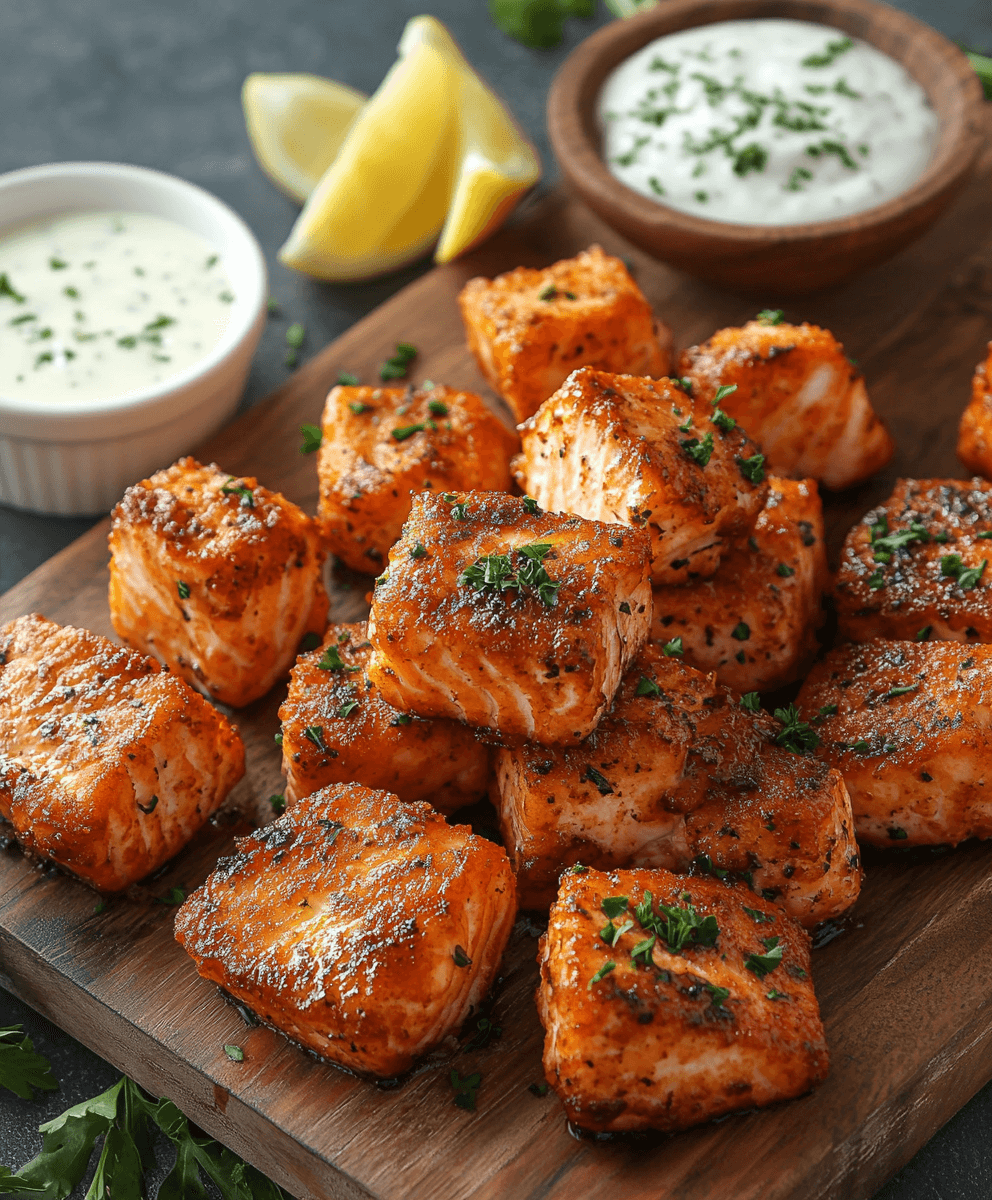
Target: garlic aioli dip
{"points": [[94, 305], [765, 122]]}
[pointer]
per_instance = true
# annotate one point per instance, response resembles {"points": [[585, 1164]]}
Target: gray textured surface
{"points": [[157, 82]]}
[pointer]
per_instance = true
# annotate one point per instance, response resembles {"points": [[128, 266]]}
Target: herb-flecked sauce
{"points": [[95, 305], [765, 122]]}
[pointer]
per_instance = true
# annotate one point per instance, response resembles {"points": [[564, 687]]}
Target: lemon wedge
{"points": [[296, 124], [432, 158]]}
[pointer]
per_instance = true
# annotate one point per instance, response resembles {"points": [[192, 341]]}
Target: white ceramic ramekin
{"points": [[60, 456]]}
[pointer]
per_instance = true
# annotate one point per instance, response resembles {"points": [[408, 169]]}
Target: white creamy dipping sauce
{"points": [[765, 122], [94, 305]]}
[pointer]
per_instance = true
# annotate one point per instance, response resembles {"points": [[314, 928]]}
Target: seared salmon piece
{"points": [[216, 576], [668, 1001], [621, 448], [516, 621], [530, 329], [907, 725], [108, 765], [337, 729], [754, 622], [916, 567], [680, 774], [797, 395], [975, 431], [362, 927], [381, 444]]}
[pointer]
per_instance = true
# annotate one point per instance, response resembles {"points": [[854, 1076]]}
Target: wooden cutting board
{"points": [[906, 990]]}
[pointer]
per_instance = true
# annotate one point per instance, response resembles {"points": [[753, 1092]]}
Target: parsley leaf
{"points": [[405, 431], [234, 1053], [603, 785], [173, 897], [331, 660], [719, 994], [762, 964], [723, 391], [673, 648], [397, 366], [796, 736], [757, 916], [278, 803], [603, 971], [460, 957], [724, 423], [966, 578], [496, 571], [346, 379], [770, 316], [741, 632], [182, 587], [530, 505], [699, 450], [246, 493], [784, 570], [613, 906], [677, 926], [647, 687], [20, 1068], [537, 23], [751, 701], [315, 734], [753, 468], [312, 437]]}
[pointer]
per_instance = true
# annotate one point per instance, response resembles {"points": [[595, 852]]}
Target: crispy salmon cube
{"points": [[513, 620], [364, 928], [667, 1001], [797, 395], [381, 444], [216, 576], [680, 773], [621, 448], [754, 622], [530, 329], [916, 566], [975, 432], [906, 724], [108, 765], [336, 728]]}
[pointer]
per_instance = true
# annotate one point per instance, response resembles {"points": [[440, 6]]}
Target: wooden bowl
{"points": [[776, 259]]}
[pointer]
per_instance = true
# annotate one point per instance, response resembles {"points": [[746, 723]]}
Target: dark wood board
{"points": [[905, 991]]}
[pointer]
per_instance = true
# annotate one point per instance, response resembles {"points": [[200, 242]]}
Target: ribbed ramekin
{"points": [[71, 457]]}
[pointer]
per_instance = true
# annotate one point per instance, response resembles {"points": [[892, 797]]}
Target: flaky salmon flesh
{"points": [[909, 725], [679, 774], [216, 576], [381, 444], [668, 1001], [754, 622], [975, 431], [626, 449], [336, 728], [364, 928], [108, 765], [529, 329], [797, 396], [916, 567], [514, 620]]}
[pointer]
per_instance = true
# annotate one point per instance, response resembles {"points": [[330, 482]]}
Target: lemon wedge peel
{"points": [[433, 157], [296, 124]]}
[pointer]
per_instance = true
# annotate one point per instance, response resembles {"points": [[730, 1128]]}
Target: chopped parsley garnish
{"points": [[724, 423], [459, 509], [278, 803], [57, 264], [401, 719], [211, 261], [762, 964], [885, 544], [966, 578], [331, 660], [699, 450], [677, 926], [752, 158], [537, 1089], [182, 587], [741, 631], [357, 407], [683, 383], [548, 293], [673, 648], [757, 916], [466, 1090], [460, 957], [496, 571], [397, 366], [876, 581], [796, 736], [278, 739], [21, 319], [751, 701], [900, 691], [613, 906], [405, 431], [347, 709], [924, 634], [7, 289], [647, 687], [603, 971], [897, 833], [753, 468], [611, 933], [71, 292], [234, 1053], [828, 710], [719, 994], [346, 379], [602, 784], [830, 55], [861, 747], [796, 180], [419, 551], [174, 896], [312, 437], [315, 734], [530, 505], [723, 391], [437, 408], [837, 148], [785, 570], [246, 493], [770, 316], [774, 994]]}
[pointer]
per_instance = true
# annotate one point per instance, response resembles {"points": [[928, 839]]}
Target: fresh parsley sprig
{"points": [[21, 1069], [496, 572], [795, 735]]}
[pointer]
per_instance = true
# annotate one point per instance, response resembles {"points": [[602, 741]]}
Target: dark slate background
{"points": [[157, 82]]}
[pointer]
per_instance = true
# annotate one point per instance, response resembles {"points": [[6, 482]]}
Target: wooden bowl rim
{"points": [[571, 111]]}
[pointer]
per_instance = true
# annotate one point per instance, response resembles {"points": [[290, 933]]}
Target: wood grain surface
{"points": [[904, 989]]}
